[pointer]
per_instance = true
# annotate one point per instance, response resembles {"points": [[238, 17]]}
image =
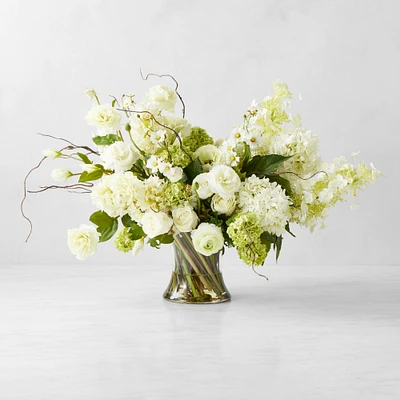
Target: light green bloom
{"points": [[198, 137], [123, 241], [176, 194]]}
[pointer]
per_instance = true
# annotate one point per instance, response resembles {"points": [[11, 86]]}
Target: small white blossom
{"points": [[51, 153], [61, 174]]}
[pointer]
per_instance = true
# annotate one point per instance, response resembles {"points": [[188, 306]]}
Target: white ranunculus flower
{"points": [[207, 239], [83, 241], [61, 174], [162, 97], [185, 219], [119, 156], [208, 154], [139, 244], [204, 191], [51, 153], [105, 118], [223, 206], [224, 181], [174, 174], [156, 223]]}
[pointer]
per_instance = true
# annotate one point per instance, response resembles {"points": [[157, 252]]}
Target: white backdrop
{"points": [[343, 56]]}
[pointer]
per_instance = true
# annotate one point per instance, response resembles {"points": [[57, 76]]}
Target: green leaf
{"points": [[263, 165], [287, 228], [113, 102], [268, 238], [284, 183], [136, 231], [193, 169], [278, 246], [91, 176], [160, 239], [84, 158], [105, 140], [101, 219], [106, 233], [126, 221]]}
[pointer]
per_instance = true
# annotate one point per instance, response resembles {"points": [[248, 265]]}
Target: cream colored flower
{"points": [[156, 223], [224, 181], [223, 206], [208, 154], [207, 239], [105, 118], [162, 97], [83, 241], [119, 156], [51, 153], [203, 190], [185, 219]]}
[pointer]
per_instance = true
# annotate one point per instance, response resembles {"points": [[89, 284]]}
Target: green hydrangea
{"points": [[123, 241], [176, 194], [245, 231], [198, 137], [178, 156]]}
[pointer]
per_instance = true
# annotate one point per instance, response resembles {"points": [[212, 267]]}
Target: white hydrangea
{"points": [[266, 199], [115, 194]]}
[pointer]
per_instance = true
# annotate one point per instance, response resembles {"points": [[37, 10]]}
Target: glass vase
{"points": [[196, 279]]}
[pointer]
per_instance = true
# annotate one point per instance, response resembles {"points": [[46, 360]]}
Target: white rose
{"points": [[224, 181], [208, 154], [119, 156], [83, 241], [155, 224], [174, 174], [162, 97], [223, 206], [51, 153], [90, 93], [204, 191], [137, 246], [61, 174], [185, 219], [207, 239], [105, 118]]}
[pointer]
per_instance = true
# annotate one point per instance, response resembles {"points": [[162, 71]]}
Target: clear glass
{"points": [[195, 278]]}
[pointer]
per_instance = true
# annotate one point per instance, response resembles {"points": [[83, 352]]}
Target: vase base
{"points": [[197, 301]]}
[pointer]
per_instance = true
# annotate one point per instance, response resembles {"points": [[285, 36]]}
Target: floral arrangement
{"points": [[153, 175]]}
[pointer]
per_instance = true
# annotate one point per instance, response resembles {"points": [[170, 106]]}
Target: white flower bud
{"points": [[61, 174], [51, 153]]}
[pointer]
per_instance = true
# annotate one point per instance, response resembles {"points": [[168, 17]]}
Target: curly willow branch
{"points": [[176, 87], [24, 198], [72, 146], [254, 255], [78, 187], [300, 177], [162, 125]]}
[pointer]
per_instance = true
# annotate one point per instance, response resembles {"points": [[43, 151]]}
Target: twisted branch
{"points": [[79, 187], [176, 87], [72, 146]]}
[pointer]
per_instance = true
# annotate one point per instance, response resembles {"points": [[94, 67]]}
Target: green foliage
{"points": [[106, 140], [135, 231], [160, 239], [192, 170], [106, 225], [92, 176], [264, 165], [284, 183], [268, 239], [287, 228], [84, 158]]}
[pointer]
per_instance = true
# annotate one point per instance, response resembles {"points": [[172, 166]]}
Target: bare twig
{"points": [[72, 146], [176, 87], [303, 179], [24, 198], [75, 186], [253, 254]]}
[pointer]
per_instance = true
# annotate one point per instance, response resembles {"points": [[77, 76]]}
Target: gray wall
{"points": [[343, 56]]}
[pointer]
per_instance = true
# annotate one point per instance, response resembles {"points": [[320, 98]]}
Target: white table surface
{"points": [[104, 332]]}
